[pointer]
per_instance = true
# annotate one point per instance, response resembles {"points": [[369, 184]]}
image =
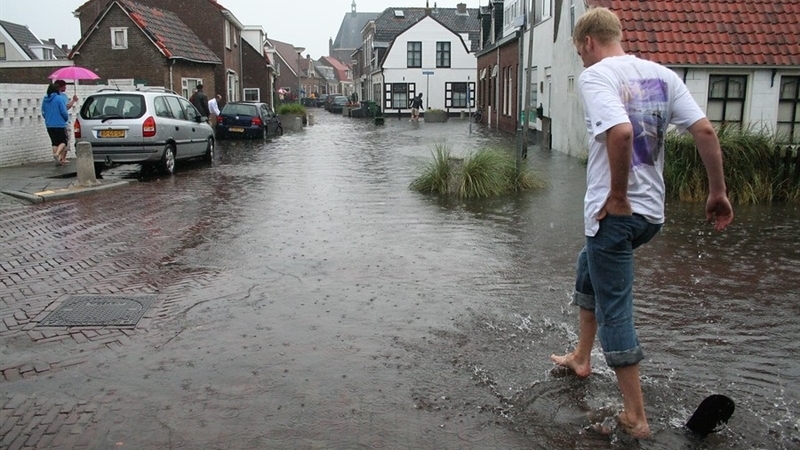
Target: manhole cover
{"points": [[99, 310]]}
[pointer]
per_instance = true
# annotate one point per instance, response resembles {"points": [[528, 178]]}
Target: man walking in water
{"points": [[416, 104], [628, 105]]}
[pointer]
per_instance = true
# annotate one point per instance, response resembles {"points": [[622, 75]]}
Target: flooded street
{"points": [[308, 299]]}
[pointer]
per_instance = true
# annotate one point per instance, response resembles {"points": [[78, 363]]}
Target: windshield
{"points": [[119, 106], [234, 109]]}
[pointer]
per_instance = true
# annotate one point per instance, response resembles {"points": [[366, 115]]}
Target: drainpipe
{"points": [[171, 82]]}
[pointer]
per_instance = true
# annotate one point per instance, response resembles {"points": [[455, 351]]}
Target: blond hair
{"points": [[600, 24]]}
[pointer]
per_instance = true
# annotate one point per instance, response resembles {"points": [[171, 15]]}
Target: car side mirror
{"points": [[200, 119]]}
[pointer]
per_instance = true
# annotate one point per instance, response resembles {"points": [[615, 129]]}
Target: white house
{"points": [[422, 50], [740, 59]]}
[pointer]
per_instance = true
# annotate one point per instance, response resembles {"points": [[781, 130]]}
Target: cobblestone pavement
{"points": [[306, 298], [80, 246]]}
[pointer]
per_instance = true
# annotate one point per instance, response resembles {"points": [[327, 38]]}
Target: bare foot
{"points": [[640, 430], [568, 361]]}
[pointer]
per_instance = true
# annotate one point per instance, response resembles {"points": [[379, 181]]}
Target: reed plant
{"points": [[753, 170], [291, 109], [485, 173]]}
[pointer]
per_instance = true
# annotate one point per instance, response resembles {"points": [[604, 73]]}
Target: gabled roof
{"points": [[287, 53], [167, 32], [710, 32], [390, 23], [23, 36], [349, 35], [339, 67]]}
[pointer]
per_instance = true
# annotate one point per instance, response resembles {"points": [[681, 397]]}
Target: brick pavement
{"points": [[82, 246]]}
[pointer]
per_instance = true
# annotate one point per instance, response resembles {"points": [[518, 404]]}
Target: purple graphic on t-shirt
{"points": [[645, 102]]}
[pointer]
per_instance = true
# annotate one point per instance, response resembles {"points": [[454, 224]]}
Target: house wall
{"points": [[13, 52], [493, 93], [23, 137], [256, 74], [428, 31], [286, 79], [29, 71]]}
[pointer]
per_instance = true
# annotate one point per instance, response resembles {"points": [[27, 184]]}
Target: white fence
{"points": [[23, 136]]}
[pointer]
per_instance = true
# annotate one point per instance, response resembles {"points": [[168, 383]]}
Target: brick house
{"points": [[285, 59], [132, 43], [258, 79], [498, 64], [215, 26], [343, 74]]}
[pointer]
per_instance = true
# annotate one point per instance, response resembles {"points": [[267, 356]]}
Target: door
{"points": [[196, 131]]}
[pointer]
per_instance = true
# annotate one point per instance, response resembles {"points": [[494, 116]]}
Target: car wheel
{"points": [[98, 170], [167, 165], [209, 155]]}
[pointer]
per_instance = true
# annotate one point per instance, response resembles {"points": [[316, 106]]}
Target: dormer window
{"points": [[119, 38], [399, 13]]}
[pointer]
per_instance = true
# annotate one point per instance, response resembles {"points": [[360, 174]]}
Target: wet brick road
{"points": [[307, 299]]}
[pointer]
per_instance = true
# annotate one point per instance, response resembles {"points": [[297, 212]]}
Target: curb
{"points": [[62, 194]]}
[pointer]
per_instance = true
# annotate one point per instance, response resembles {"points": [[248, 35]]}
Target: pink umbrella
{"points": [[73, 73]]}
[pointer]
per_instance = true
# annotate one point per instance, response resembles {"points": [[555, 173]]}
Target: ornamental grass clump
{"points": [[753, 170], [291, 109], [482, 174]]}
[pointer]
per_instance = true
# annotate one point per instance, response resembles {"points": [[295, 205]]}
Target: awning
{"points": [[494, 71], [483, 73]]}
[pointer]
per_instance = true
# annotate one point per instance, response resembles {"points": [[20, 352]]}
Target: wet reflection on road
{"points": [[314, 301]]}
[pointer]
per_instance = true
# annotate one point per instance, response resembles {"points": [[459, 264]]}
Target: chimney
{"points": [[461, 9]]}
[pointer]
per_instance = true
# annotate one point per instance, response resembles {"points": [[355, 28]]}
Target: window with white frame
{"points": [[398, 95], [571, 16], [547, 8], [443, 54], [2, 51], [189, 86], [119, 38], [252, 94], [414, 58], [459, 95], [233, 87], [227, 32], [789, 111]]}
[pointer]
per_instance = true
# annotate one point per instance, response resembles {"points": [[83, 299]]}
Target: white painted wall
{"points": [[463, 64], [23, 137]]}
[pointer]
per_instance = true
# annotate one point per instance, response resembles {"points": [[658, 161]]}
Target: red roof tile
{"points": [[710, 32]]}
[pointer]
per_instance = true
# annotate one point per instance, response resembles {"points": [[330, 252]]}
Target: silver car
{"points": [[153, 127]]}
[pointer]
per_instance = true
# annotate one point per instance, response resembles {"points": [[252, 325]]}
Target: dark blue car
{"points": [[248, 120]]}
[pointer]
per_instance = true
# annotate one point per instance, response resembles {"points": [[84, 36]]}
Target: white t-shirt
{"points": [[626, 89]]}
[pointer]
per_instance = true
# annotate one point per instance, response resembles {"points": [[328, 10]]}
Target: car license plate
{"points": [[236, 130], [111, 133]]}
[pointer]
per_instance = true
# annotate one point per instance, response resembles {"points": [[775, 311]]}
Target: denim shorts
{"points": [[604, 284]]}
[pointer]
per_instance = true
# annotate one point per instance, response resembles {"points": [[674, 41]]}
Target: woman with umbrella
{"points": [[60, 86], [56, 117]]}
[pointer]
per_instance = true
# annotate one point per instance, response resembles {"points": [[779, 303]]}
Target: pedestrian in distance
{"points": [[628, 105], [213, 108], [56, 117], [415, 104], [200, 101]]}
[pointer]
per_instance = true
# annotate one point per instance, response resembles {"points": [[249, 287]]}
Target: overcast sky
{"points": [[304, 23]]}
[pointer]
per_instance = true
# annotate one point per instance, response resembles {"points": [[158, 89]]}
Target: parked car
{"points": [[248, 120], [338, 102], [151, 126]]}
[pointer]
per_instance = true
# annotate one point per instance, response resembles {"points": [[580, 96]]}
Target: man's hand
{"points": [[719, 211], [616, 206]]}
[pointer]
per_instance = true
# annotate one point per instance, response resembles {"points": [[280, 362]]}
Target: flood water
{"points": [[310, 300]]}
